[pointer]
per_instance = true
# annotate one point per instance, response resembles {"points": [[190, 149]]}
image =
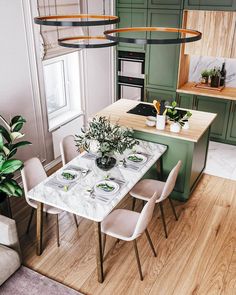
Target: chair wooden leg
{"points": [[76, 222], [58, 233], [138, 260], [163, 219], [173, 208], [104, 244], [133, 203], [150, 243], [30, 220]]}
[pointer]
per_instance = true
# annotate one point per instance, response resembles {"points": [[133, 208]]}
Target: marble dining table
{"points": [[79, 198]]}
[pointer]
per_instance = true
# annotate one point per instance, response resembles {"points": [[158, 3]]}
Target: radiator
{"points": [[71, 128]]}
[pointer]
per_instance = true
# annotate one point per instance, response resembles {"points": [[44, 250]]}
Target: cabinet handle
{"points": [[194, 103]]}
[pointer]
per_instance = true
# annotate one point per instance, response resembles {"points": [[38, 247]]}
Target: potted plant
{"points": [[205, 76], [215, 77], [104, 139], [9, 144], [184, 120], [177, 117]]}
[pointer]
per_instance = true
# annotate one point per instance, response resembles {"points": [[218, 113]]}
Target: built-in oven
{"points": [[131, 66]]}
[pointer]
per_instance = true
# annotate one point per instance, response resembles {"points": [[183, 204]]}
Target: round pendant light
{"points": [[194, 35], [86, 42], [77, 20]]}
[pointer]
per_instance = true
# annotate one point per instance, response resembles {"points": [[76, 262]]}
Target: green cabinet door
{"points": [[152, 94], [219, 106], [132, 18], [185, 101], [132, 3], [210, 4], [162, 60], [165, 4], [231, 131]]}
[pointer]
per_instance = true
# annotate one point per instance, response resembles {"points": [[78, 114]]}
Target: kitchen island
{"points": [[190, 146]]}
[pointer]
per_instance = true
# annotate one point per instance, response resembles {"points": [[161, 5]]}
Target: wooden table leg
{"points": [[98, 237], [39, 228], [160, 174]]}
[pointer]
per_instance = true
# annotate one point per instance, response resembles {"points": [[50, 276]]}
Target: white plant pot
{"points": [[175, 127], [161, 122], [185, 126]]}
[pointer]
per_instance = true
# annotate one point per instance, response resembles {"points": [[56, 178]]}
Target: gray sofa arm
{"points": [[8, 233]]}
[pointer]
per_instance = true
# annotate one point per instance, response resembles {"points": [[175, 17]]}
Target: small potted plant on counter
{"points": [[104, 139], [179, 118], [215, 77], [204, 76], [9, 144]]}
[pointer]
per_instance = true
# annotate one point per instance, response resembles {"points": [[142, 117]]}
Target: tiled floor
{"points": [[221, 160]]}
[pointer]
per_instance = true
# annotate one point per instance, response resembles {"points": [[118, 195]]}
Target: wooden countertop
{"points": [[226, 93], [117, 112]]}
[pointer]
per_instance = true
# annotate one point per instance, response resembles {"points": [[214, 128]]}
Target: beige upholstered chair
{"points": [[10, 254], [145, 188], [128, 225], [68, 149], [32, 174]]}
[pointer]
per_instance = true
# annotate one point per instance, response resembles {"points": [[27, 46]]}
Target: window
{"points": [[62, 88], [56, 90]]}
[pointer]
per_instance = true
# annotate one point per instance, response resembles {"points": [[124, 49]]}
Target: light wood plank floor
{"points": [[199, 256]]}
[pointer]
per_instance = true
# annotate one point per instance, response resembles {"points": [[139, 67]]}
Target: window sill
{"points": [[64, 118]]}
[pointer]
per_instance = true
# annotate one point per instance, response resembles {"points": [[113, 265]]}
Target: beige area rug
{"points": [[28, 282]]}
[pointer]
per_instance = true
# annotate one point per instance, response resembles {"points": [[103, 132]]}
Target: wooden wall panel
{"points": [[218, 29]]}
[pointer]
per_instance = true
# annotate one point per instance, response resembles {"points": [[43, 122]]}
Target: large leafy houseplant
{"points": [[9, 144], [104, 139]]}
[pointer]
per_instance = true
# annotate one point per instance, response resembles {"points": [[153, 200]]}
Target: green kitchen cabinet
{"points": [[161, 67], [192, 154], [132, 3], [185, 101], [219, 106], [132, 18], [165, 4], [210, 4], [231, 130], [152, 94]]}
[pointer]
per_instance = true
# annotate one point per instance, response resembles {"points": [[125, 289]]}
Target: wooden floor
{"points": [[199, 256]]}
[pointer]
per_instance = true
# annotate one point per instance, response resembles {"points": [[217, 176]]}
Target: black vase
{"points": [[215, 81], [105, 162]]}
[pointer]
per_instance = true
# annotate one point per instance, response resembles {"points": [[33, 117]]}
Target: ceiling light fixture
{"points": [[79, 20], [195, 35], [86, 42]]}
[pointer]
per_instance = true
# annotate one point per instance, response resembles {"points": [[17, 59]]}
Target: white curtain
{"points": [[50, 34]]}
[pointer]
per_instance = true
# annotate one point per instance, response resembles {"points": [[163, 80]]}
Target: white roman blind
{"points": [[50, 34]]}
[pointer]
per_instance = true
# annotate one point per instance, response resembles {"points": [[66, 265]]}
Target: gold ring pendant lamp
{"points": [[80, 20], [112, 37]]}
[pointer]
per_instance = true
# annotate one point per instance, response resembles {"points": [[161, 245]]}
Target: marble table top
{"points": [[78, 200]]}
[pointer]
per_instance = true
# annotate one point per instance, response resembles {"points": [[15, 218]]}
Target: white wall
{"points": [[99, 65], [21, 74], [19, 93]]}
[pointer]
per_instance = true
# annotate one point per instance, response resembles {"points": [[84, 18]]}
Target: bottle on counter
{"points": [[222, 75]]}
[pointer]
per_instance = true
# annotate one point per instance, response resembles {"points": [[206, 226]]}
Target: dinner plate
{"points": [[136, 159], [68, 176], [106, 187]]}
